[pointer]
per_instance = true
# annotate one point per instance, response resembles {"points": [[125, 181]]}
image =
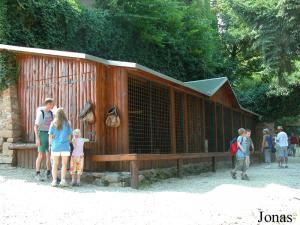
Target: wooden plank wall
{"points": [[71, 83], [116, 139]]}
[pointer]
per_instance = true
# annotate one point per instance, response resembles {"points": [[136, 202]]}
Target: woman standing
{"points": [[59, 140], [267, 145]]}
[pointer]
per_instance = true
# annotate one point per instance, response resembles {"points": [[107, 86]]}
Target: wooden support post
{"points": [[223, 128], [233, 132], [134, 170], [186, 121], [203, 125], [180, 168], [216, 126], [172, 121], [214, 166]]}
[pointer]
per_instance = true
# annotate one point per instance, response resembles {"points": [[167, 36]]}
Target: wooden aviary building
{"points": [[164, 122]]}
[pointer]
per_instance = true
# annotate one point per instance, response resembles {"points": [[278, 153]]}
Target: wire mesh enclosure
{"points": [[195, 124], [243, 121], [179, 120], [236, 122], [220, 126], [227, 127], [149, 116], [250, 124], [210, 126]]}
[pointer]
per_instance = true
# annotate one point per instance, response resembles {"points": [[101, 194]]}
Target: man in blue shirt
{"points": [[241, 155]]}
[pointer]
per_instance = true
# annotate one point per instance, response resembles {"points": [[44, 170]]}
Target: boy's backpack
{"points": [[43, 113], [233, 146]]}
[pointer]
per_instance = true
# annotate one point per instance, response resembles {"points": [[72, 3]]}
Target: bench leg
{"points": [[213, 161], [179, 168], [134, 169]]}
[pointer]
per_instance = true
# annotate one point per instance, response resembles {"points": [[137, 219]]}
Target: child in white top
{"points": [[77, 157]]}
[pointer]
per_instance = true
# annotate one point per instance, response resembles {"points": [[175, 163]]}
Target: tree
{"points": [[274, 27]]}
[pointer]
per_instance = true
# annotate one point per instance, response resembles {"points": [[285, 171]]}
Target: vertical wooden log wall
{"points": [[117, 139]]}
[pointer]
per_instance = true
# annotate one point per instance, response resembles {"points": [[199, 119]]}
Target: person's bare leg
{"points": [[64, 162], [48, 160], [78, 179], [54, 167], [286, 161], [39, 161], [73, 178]]}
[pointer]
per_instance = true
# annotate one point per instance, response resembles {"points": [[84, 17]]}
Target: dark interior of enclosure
{"points": [[220, 131], [227, 127], [149, 116], [237, 123], [195, 123], [210, 126], [179, 120]]}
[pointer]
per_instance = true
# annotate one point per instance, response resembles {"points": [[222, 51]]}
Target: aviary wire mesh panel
{"points": [[160, 118], [139, 112], [194, 124], [243, 121], [227, 127], [220, 133], [236, 122], [179, 120], [210, 126], [250, 124], [149, 116]]}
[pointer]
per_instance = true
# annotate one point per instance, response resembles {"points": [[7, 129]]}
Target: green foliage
{"points": [[3, 22], [178, 39], [262, 43], [254, 95], [8, 70], [275, 38], [175, 38]]}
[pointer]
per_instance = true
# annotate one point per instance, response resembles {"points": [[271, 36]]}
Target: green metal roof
{"points": [[208, 86], [211, 86]]}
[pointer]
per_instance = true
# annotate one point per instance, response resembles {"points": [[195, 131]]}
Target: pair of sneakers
{"points": [[62, 183], [233, 174], [74, 184], [39, 177], [245, 177]]}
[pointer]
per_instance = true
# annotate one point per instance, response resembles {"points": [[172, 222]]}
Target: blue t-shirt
{"points": [[60, 140], [243, 143]]}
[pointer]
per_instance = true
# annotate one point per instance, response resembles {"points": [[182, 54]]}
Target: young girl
{"points": [[59, 140], [77, 158]]}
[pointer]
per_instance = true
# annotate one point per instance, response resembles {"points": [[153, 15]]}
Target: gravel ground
{"points": [[210, 198]]}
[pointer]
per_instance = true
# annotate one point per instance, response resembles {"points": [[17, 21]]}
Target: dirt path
{"points": [[211, 198]]}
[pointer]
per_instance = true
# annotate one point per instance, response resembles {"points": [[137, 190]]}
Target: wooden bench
{"points": [[135, 158]]}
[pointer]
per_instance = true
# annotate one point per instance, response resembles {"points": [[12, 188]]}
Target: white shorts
{"points": [[62, 153]]}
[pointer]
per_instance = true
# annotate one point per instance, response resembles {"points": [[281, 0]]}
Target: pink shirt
{"points": [[78, 146]]}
